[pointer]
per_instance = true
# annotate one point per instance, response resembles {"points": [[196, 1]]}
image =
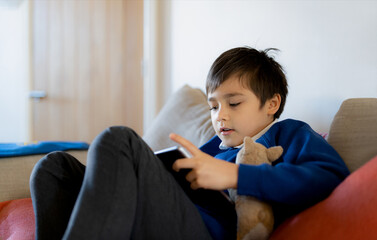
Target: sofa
{"points": [[349, 212]]}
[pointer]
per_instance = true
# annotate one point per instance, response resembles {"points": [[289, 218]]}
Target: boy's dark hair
{"points": [[255, 69]]}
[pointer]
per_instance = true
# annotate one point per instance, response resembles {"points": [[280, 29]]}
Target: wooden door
{"points": [[86, 57]]}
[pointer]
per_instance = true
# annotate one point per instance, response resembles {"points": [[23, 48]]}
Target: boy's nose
{"points": [[222, 115]]}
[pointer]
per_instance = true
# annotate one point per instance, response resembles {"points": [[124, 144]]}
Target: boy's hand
{"points": [[207, 171]]}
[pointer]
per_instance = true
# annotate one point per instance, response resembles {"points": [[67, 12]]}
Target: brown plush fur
{"points": [[255, 218]]}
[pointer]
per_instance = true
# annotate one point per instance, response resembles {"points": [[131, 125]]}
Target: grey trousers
{"points": [[124, 192]]}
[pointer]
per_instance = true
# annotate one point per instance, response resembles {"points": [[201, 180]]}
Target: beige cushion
{"points": [[15, 173], [353, 132], [185, 113]]}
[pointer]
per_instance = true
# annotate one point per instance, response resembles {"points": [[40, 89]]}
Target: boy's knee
{"points": [[56, 165], [50, 160], [116, 141], [54, 161], [117, 133], [122, 131], [47, 164]]}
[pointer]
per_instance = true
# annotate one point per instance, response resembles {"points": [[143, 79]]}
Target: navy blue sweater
{"points": [[306, 173]]}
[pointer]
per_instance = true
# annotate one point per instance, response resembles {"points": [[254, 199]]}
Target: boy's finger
{"points": [[194, 185], [183, 163], [185, 143]]}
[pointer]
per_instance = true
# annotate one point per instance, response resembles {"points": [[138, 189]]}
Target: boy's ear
{"points": [[274, 104]]}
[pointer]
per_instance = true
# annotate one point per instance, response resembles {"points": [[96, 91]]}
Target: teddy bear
{"points": [[255, 218]]}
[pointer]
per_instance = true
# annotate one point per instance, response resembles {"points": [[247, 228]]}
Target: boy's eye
{"points": [[234, 104], [213, 108]]}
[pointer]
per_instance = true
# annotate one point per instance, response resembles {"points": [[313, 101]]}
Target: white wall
{"points": [[14, 71], [328, 48]]}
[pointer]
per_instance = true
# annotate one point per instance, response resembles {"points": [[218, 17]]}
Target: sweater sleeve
{"points": [[307, 172]]}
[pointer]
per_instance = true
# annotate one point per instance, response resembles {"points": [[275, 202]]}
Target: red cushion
{"points": [[17, 219], [350, 212]]}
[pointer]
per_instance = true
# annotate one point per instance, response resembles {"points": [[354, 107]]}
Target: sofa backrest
{"points": [[353, 132]]}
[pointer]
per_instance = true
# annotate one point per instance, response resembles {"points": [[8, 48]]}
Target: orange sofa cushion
{"points": [[17, 219], [348, 213]]}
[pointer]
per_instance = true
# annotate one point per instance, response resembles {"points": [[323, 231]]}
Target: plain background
{"points": [[327, 48]]}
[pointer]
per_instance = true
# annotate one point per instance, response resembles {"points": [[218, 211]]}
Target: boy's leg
{"points": [[55, 184], [127, 193]]}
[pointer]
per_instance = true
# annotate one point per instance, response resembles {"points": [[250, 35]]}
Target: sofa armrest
{"points": [[15, 173]]}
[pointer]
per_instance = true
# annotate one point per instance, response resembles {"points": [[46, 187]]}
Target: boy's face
{"points": [[236, 112]]}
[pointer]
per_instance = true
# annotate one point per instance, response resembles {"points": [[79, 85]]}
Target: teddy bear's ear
{"points": [[247, 139], [273, 153], [248, 144]]}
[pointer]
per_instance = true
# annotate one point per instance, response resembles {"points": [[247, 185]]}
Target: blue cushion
{"points": [[22, 149]]}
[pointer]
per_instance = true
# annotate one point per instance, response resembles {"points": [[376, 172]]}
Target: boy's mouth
{"points": [[226, 131]]}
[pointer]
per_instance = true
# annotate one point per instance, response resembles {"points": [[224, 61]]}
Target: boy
{"points": [[125, 192], [246, 92]]}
